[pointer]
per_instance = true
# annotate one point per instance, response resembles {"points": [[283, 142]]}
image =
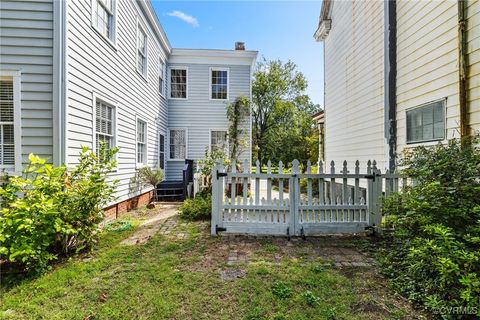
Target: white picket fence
{"points": [[276, 204]]}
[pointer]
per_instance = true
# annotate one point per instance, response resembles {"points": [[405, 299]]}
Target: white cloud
{"points": [[185, 17]]}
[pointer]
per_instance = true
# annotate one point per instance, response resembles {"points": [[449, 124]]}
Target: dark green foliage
{"points": [[433, 256], [198, 208], [310, 298], [281, 290], [51, 211]]}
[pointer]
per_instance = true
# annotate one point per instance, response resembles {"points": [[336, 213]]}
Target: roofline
{"points": [[213, 56], [214, 52], [152, 17], [324, 23]]}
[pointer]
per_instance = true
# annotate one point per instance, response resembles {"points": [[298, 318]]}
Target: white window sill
{"points": [[184, 99], [144, 76], [107, 40], [176, 160]]}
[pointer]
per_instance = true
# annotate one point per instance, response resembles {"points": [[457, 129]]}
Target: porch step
{"points": [[170, 191]]}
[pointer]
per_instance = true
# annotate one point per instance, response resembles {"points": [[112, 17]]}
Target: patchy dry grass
{"points": [[177, 276]]}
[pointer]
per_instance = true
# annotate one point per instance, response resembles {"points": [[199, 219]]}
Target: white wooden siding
{"points": [[473, 50], [26, 37], [354, 127], [427, 61], [198, 114], [95, 66]]}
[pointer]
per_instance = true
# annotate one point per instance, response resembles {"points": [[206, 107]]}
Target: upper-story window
{"points": [[7, 124], [161, 78], [103, 17], [178, 83], [426, 123], [219, 84], [142, 51], [104, 125]]}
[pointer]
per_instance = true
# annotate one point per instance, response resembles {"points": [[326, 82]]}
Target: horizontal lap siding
{"points": [[94, 66], [427, 60], [354, 83], [199, 114], [473, 51], [26, 38]]}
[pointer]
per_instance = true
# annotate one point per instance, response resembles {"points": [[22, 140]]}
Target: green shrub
{"points": [[53, 210], [433, 255], [281, 290], [198, 208], [151, 176]]}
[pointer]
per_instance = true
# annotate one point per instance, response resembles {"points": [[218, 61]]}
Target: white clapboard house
{"points": [[398, 74], [74, 73]]}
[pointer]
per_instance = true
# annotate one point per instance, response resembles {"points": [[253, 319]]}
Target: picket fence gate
{"points": [[295, 203]]}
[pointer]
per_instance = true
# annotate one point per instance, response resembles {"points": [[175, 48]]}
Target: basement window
{"points": [[426, 123]]}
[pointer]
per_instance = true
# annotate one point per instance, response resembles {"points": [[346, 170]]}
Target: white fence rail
{"points": [[290, 202]]}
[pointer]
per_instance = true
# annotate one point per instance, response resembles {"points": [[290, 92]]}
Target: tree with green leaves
{"points": [[283, 128]]}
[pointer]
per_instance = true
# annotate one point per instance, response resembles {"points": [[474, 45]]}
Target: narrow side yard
{"points": [[183, 273]]}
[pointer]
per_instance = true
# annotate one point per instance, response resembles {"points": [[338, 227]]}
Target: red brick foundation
{"points": [[113, 212]]}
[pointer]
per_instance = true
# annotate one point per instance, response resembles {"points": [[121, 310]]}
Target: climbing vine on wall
{"points": [[238, 114]]}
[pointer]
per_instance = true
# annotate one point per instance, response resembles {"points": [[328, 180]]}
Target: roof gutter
{"points": [[390, 69]]}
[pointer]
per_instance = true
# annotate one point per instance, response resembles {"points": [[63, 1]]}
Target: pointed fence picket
{"points": [[298, 202]]}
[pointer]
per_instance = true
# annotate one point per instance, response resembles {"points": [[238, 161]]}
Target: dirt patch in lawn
{"points": [[152, 225]]}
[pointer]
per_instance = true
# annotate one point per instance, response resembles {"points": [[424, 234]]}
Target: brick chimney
{"points": [[239, 45]]}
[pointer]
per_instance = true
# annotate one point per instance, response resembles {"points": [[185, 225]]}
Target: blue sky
{"points": [[277, 29]]}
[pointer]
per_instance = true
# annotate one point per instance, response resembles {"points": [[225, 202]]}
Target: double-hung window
{"points": [[142, 51], [104, 125], [218, 141], [7, 124], [161, 151], [178, 144], [141, 141], [161, 78], [178, 83], [426, 123], [103, 17], [219, 84]]}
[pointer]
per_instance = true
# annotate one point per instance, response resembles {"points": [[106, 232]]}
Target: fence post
{"points": [[217, 196], [377, 194], [294, 198]]}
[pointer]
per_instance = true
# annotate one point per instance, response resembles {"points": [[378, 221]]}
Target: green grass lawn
{"points": [[173, 277]]}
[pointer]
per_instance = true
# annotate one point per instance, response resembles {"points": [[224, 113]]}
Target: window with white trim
{"points": [[161, 78], [178, 83], [218, 141], [142, 51], [426, 123], [161, 151], [141, 141], [103, 17], [7, 124], [219, 84], [178, 144], [104, 125]]}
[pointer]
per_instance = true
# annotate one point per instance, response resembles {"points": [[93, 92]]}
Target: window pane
{"points": [[177, 144], [426, 123], [219, 84], [178, 83]]}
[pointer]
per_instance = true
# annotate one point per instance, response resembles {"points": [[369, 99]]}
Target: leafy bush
{"points": [[53, 210], [310, 298], [151, 176], [198, 208], [433, 256], [281, 290]]}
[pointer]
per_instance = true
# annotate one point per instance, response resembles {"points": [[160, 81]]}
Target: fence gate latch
{"points": [[219, 229], [221, 174]]}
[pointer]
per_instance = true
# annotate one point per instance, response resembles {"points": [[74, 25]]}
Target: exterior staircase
{"points": [[177, 190]]}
